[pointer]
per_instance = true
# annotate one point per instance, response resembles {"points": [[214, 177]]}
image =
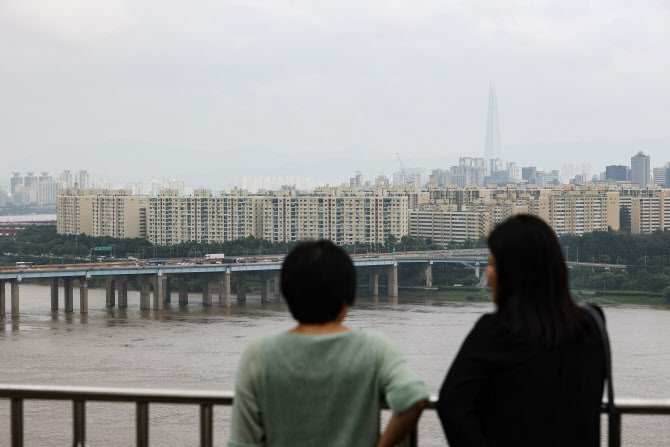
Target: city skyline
{"points": [[318, 90]]}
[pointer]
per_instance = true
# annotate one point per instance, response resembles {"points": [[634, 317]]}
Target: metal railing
{"points": [[205, 399]]}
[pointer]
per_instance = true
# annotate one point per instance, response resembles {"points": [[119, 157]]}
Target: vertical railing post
{"points": [[414, 437], [616, 440], [206, 425], [79, 423], [17, 422], [142, 424]]}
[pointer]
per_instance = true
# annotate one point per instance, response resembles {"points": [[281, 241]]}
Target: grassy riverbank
{"points": [[449, 293]]}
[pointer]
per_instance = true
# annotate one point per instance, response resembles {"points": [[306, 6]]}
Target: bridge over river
{"points": [[215, 278]]}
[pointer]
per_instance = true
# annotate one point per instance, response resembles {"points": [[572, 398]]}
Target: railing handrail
{"points": [[206, 399]]}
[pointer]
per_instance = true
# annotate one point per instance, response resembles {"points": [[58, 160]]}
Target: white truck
{"points": [[213, 256]]}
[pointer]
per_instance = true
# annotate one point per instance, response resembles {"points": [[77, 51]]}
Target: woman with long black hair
{"points": [[532, 372]]}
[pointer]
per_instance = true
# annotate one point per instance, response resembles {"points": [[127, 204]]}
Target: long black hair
{"points": [[533, 299]]}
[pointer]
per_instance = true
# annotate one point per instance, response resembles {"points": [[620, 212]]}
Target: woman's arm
{"points": [[401, 425]]}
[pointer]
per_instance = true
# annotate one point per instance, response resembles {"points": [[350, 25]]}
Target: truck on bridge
{"points": [[212, 256]]}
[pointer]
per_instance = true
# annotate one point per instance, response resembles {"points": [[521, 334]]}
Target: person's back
{"points": [[321, 382], [532, 373], [325, 389], [506, 392]]}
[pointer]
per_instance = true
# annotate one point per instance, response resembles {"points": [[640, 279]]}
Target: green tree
{"points": [[666, 294]]}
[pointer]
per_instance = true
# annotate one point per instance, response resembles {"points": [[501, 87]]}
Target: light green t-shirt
{"points": [[319, 390]]}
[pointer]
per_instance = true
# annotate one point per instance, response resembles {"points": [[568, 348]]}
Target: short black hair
{"points": [[317, 280]]}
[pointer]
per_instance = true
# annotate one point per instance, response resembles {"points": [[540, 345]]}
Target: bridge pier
{"points": [[68, 287], [206, 292], [429, 275], [83, 296], [158, 292], [392, 287], [477, 269], [265, 287], [224, 289], [2, 298], [54, 293], [277, 287], [145, 282], [374, 282], [167, 290], [123, 291], [110, 295], [15, 297], [241, 287], [183, 292]]}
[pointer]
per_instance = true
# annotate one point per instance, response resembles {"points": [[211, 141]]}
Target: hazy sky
{"points": [[206, 90]]}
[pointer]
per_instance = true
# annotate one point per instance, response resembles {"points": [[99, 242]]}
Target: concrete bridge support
{"points": [[167, 290], [277, 287], [392, 273], [2, 298], [374, 282], [123, 291], [206, 292], [15, 298], [110, 292], [68, 287], [429, 275], [477, 273], [83, 296], [241, 287], [183, 292], [54, 293], [159, 298], [265, 287], [145, 283], [224, 289]]}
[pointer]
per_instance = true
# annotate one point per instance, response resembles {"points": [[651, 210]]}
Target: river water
{"points": [[198, 348]]}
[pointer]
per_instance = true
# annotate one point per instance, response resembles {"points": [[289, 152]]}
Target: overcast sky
{"points": [[207, 90]]}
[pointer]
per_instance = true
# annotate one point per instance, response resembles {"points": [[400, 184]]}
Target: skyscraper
{"points": [[640, 172], [492, 145]]}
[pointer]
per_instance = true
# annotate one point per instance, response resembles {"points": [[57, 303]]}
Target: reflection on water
{"points": [[195, 347]]}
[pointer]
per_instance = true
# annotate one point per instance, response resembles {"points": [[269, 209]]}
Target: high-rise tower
{"points": [[492, 145]]}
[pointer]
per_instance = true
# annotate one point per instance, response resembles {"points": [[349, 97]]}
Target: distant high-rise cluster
{"points": [[31, 189]]}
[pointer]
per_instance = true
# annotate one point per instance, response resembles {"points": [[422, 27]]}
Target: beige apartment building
{"points": [[172, 219], [100, 212], [570, 210], [443, 227], [649, 214], [344, 216]]}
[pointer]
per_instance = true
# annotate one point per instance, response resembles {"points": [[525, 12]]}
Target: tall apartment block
{"points": [[93, 212], [573, 211], [344, 219], [172, 219], [649, 214]]}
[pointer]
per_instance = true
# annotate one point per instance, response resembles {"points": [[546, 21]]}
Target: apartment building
{"points": [[100, 212], [172, 219], [343, 216], [577, 211], [443, 227], [649, 214]]}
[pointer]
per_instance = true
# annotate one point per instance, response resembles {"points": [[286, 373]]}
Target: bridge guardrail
{"points": [[205, 399]]}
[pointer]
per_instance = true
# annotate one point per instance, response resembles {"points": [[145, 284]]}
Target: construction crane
{"points": [[402, 169]]}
